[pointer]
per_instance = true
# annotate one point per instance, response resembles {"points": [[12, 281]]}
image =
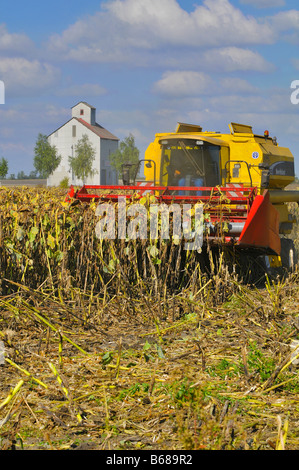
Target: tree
{"points": [[46, 159], [82, 162], [126, 153], [32, 175], [3, 167], [21, 175]]}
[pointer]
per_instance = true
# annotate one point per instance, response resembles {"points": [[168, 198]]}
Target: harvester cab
{"points": [[238, 159], [239, 177]]}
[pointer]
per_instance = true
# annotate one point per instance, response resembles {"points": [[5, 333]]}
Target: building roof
{"points": [[99, 130], [84, 102]]}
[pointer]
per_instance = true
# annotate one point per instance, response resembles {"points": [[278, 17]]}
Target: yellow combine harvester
{"points": [[233, 162], [240, 177]]}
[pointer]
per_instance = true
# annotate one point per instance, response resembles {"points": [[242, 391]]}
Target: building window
{"points": [[74, 131], [81, 112]]}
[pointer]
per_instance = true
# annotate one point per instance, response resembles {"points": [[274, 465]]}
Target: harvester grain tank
{"points": [[240, 177]]}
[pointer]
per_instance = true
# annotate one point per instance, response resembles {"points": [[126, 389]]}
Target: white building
{"points": [[65, 138]]}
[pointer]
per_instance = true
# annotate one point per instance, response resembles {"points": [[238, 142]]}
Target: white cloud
{"points": [[230, 59], [213, 23], [286, 25], [271, 103], [14, 43], [182, 83], [21, 71], [53, 114], [126, 30], [237, 85], [234, 100], [24, 77]]}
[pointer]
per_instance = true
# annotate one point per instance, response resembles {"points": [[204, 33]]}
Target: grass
{"points": [[108, 360]]}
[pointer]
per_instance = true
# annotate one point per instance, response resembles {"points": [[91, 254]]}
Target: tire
{"points": [[288, 260]]}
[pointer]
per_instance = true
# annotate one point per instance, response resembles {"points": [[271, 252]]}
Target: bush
{"points": [[64, 183]]}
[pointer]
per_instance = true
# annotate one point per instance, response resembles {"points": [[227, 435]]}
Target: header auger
{"points": [[239, 177]]}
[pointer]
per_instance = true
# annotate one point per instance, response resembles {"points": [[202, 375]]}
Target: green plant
{"points": [[224, 368], [133, 390], [107, 358], [150, 351], [259, 362], [64, 183]]}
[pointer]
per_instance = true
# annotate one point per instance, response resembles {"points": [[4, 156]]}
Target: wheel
{"points": [[279, 266]]}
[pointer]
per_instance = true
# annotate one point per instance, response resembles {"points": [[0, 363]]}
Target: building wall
{"points": [[86, 112], [65, 140]]}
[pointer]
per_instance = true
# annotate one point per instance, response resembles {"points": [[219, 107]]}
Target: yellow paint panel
{"points": [[240, 128]]}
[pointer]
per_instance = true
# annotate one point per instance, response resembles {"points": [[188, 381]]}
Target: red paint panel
{"points": [[262, 226]]}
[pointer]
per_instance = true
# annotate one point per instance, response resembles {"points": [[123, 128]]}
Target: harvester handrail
{"points": [[209, 194], [161, 188], [206, 194]]}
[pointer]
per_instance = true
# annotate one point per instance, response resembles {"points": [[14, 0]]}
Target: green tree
{"points": [[21, 175], [32, 175], [82, 162], [126, 153], [46, 159], [3, 167]]}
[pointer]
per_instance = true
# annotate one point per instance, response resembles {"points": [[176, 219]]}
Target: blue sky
{"points": [[146, 64]]}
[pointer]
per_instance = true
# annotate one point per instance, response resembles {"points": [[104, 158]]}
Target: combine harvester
{"points": [[240, 178]]}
